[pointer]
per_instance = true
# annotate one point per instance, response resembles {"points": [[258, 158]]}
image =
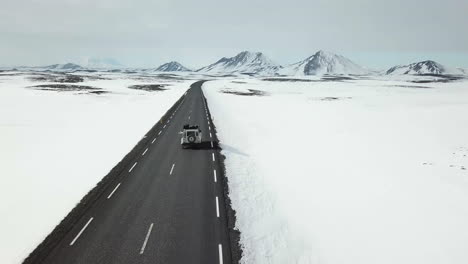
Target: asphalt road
{"points": [[165, 207]]}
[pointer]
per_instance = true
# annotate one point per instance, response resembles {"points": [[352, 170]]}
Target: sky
{"points": [[146, 33]]}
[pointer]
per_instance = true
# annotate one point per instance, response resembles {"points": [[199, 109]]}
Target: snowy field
{"points": [[351, 171], [56, 145]]}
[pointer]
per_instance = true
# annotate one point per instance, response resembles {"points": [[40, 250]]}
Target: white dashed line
{"points": [[159, 133], [209, 127], [172, 169], [210, 134], [133, 167], [144, 152], [211, 144], [212, 155], [82, 230], [164, 126], [154, 139], [220, 250], [215, 178], [146, 239], [115, 189], [217, 207]]}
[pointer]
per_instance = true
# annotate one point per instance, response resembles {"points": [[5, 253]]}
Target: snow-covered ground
{"points": [[363, 171], [55, 146]]}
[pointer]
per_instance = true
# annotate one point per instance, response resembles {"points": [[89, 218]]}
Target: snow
{"points": [[244, 62], [321, 63], [363, 171], [55, 146], [424, 67]]}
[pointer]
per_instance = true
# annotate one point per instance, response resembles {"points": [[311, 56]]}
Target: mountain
{"points": [[63, 67], [324, 62], [244, 62], [423, 67], [172, 66], [100, 63]]}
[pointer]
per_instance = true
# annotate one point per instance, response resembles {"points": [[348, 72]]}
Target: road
{"points": [[165, 207]]}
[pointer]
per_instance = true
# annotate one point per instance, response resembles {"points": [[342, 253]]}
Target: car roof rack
{"points": [[187, 126]]}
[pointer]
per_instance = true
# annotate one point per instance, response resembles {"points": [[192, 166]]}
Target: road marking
{"points": [[209, 127], [133, 167], [82, 230], [153, 140], [215, 178], [144, 152], [164, 126], [211, 144], [159, 133], [217, 207], [220, 250], [146, 239], [115, 189], [189, 117], [210, 134], [212, 155], [170, 173]]}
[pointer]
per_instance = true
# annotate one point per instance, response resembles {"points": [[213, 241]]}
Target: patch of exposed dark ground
{"points": [[336, 78], [143, 77], [332, 98], [440, 78], [411, 86], [149, 87], [325, 78], [251, 92], [68, 88], [288, 80], [62, 77]]}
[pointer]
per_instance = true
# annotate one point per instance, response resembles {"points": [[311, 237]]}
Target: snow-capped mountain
{"points": [[323, 62], [172, 66], [244, 62], [100, 63], [423, 67], [63, 67]]}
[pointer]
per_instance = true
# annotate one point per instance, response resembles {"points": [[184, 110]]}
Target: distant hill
{"points": [[172, 66], [423, 67], [244, 62], [323, 62]]}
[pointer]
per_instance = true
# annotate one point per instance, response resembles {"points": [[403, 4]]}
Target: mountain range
{"points": [[257, 63]]}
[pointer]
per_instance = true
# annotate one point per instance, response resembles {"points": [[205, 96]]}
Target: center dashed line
{"points": [[142, 250], [220, 251], [172, 169], [115, 189], [81, 231], [159, 133], [217, 207], [133, 167], [144, 152], [213, 156], [214, 176]]}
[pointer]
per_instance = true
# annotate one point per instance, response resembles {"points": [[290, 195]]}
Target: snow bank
{"points": [[346, 172], [55, 146]]}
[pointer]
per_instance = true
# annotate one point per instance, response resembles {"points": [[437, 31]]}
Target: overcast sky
{"points": [[374, 33]]}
